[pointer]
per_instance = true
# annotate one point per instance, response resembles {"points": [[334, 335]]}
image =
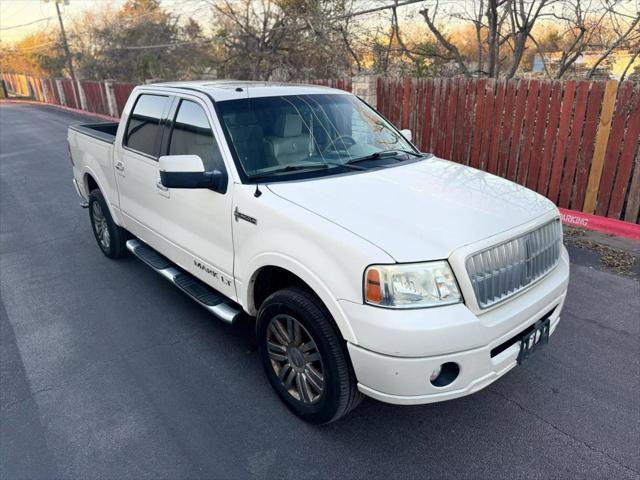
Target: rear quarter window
{"points": [[144, 123]]}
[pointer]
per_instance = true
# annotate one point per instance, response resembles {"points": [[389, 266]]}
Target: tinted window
{"points": [[144, 123], [192, 135]]}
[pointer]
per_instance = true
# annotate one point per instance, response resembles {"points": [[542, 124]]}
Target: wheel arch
{"points": [[276, 272], [90, 182]]}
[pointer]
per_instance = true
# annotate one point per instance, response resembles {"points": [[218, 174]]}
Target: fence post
{"points": [[83, 98], [111, 99], [602, 138], [45, 93], [633, 204], [63, 99], [364, 86]]}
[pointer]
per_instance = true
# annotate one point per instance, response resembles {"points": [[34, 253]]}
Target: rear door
{"points": [[136, 165]]}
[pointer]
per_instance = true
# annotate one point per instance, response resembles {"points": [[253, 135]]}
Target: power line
{"points": [[35, 47], [375, 9], [26, 24], [164, 45]]}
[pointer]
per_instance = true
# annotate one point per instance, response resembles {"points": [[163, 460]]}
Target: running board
{"points": [[202, 293]]}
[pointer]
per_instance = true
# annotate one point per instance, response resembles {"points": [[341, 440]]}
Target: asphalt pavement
{"points": [[107, 371]]}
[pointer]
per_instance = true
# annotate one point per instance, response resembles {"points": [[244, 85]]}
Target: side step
{"points": [[202, 293]]}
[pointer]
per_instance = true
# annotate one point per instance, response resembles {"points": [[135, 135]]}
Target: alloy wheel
{"points": [[100, 226], [295, 359]]}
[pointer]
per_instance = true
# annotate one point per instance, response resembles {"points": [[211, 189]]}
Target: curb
{"points": [[62, 107], [606, 225]]}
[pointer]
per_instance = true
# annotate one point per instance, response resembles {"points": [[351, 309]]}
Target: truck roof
{"points": [[221, 90]]}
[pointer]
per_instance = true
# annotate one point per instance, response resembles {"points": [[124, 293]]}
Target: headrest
{"points": [[288, 125], [245, 117]]}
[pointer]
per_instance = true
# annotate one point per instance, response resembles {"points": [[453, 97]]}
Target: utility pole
{"points": [[64, 39]]}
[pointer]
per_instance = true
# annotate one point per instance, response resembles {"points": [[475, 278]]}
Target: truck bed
{"points": [[101, 131]]}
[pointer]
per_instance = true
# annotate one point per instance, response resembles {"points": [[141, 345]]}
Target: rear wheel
{"points": [[110, 237], [304, 357]]}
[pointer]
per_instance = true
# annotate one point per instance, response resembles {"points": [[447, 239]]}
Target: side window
{"points": [[192, 135], [144, 123]]}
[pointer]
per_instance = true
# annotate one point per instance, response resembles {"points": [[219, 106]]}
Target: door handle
{"points": [[120, 167], [161, 186]]}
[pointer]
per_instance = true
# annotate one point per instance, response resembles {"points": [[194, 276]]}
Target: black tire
{"points": [[113, 245], [339, 394]]}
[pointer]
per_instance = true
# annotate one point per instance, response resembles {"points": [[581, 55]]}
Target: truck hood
{"points": [[420, 211]]}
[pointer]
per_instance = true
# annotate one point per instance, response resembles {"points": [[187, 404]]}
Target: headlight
{"points": [[413, 285]]}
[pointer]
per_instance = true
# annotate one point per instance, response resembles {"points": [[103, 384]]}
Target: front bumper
{"points": [[398, 350]]}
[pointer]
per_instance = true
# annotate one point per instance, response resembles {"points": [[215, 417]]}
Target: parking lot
{"points": [[107, 371]]}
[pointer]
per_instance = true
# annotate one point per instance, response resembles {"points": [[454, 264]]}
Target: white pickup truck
{"points": [[368, 267]]}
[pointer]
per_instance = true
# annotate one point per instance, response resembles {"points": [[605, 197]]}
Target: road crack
{"points": [[561, 431]]}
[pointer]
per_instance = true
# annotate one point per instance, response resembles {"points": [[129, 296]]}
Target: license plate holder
{"points": [[534, 339]]}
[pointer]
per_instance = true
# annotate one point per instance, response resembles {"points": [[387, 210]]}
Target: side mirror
{"points": [[406, 133], [187, 171]]}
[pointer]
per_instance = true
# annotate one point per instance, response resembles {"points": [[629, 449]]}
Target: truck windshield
{"points": [[322, 133]]}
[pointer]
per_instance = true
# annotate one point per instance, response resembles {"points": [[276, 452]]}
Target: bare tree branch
{"points": [[631, 60], [613, 46], [451, 48]]}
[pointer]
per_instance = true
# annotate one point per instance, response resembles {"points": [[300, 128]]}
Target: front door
{"points": [[198, 221]]}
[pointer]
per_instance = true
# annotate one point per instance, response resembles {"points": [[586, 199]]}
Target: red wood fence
{"points": [[90, 95], [578, 143], [340, 83], [95, 94], [122, 92]]}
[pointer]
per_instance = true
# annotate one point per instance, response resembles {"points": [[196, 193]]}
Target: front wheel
{"points": [[304, 357]]}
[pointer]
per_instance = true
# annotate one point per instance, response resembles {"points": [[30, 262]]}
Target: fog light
{"points": [[445, 374]]}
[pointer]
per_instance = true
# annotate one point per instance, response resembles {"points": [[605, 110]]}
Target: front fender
{"points": [[320, 288], [328, 258]]}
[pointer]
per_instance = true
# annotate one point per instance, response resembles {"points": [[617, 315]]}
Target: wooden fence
{"points": [[102, 97], [340, 83], [578, 143]]}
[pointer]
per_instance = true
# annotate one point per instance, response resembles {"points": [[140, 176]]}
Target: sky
{"points": [[19, 18], [16, 16]]}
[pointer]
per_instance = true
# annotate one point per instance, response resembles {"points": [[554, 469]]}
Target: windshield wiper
{"points": [[304, 166], [384, 154]]}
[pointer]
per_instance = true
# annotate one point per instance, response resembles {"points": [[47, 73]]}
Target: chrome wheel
{"points": [[100, 226], [295, 359]]}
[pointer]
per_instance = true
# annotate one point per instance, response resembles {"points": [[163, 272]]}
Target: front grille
{"points": [[503, 270]]}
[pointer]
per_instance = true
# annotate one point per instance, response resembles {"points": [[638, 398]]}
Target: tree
{"points": [[507, 23], [291, 39], [39, 54], [141, 41], [596, 26], [508, 32]]}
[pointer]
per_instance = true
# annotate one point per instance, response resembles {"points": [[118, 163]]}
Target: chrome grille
{"points": [[505, 269]]}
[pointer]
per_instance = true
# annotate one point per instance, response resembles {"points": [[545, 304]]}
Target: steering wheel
{"points": [[339, 144]]}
